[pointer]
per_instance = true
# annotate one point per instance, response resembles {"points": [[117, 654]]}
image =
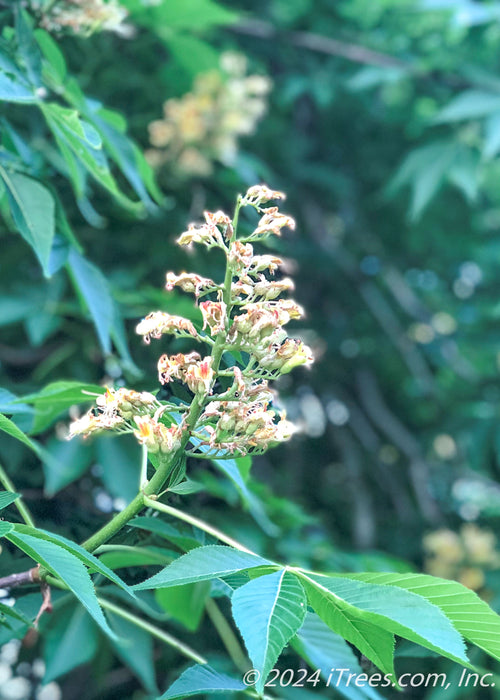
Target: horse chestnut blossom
{"points": [[231, 411], [204, 125], [83, 17]]}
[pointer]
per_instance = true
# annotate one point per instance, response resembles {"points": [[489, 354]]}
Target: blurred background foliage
{"points": [[381, 121]]}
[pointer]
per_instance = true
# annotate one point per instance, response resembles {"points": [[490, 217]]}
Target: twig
{"points": [[392, 427], [322, 44], [369, 439], [20, 579], [22, 357], [373, 298], [196, 522], [390, 323], [363, 518]]}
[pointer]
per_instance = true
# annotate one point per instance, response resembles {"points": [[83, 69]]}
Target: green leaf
{"points": [[77, 138], [325, 650], [16, 309], [371, 77], [408, 616], [23, 412], [185, 603], [229, 467], [76, 550], [165, 530], [70, 640], [464, 173], [120, 460], [72, 123], [52, 53], [67, 567], [26, 609], [9, 427], [64, 394], [197, 680], [425, 170], [93, 288], [203, 564], [192, 54], [40, 326], [352, 624], [5, 528], [187, 487], [124, 556], [491, 145], [428, 181], [120, 341], [6, 498], [13, 89], [135, 649], [471, 104], [14, 614], [180, 14], [70, 460], [470, 615], [28, 53], [33, 211], [268, 611], [128, 157], [57, 397]]}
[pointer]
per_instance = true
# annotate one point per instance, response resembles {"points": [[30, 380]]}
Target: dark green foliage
{"points": [[383, 128]]}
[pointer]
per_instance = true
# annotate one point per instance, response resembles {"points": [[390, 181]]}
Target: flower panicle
{"points": [[84, 17], [204, 126], [244, 317]]}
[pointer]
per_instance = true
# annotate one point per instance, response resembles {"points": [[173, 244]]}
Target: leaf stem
{"points": [[23, 510], [196, 522], [128, 549], [155, 631], [227, 635]]}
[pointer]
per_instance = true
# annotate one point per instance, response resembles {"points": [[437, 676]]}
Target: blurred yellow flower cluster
{"points": [[203, 126], [463, 556], [85, 16]]}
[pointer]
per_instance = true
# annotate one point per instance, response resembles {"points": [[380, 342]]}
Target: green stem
{"points": [[155, 631], [162, 559], [227, 635], [9, 486], [115, 524], [196, 522], [152, 487], [236, 216], [209, 455], [144, 468]]}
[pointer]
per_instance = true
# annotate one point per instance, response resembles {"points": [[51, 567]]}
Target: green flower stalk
{"points": [[245, 316]]}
